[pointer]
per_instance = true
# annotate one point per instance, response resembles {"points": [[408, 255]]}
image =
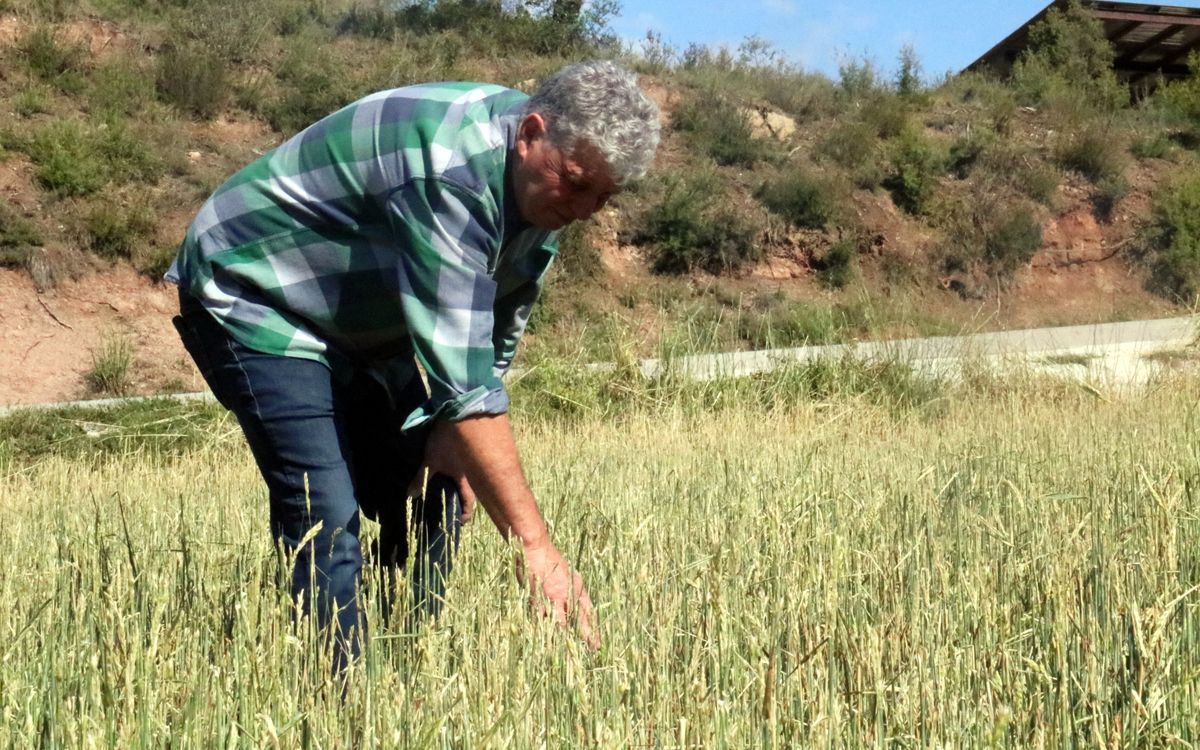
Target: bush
{"points": [[1021, 169], [854, 146], [908, 73], [540, 27], [1094, 150], [719, 128], [17, 236], [313, 86], [886, 114], [33, 100], [857, 78], [967, 151], [835, 269], [1012, 236], [113, 231], [801, 198], [120, 88], [992, 98], [194, 78], [1180, 100], [1069, 56], [1174, 239], [917, 164], [983, 228], [73, 159], [1155, 146], [692, 227], [578, 258], [66, 159], [1109, 193], [60, 64]]}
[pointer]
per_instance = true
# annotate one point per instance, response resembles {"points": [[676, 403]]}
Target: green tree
{"points": [[1069, 55]]}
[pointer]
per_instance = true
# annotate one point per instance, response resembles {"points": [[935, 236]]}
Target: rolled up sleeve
{"points": [[447, 238]]}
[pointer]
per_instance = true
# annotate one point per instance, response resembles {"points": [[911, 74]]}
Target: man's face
{"points": [[552, 188]]}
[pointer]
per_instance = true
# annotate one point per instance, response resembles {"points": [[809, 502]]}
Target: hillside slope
{"points": [[784, 207]]}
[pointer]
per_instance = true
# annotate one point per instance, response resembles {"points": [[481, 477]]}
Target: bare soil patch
{"points": [[49, 336]]}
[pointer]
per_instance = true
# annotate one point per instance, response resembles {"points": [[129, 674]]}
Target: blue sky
{"points": [[947, 34]]}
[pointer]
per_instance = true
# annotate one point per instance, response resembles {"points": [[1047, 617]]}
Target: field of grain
{"points": [[1010, 568]]}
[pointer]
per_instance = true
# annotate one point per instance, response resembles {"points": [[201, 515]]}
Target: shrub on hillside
{"points": [[835, 267], [1153, 146], [886, 113], [66, 160], [540, 27], [1069, 57], [53, 60], [1094, 150], [1177, 104], [71, 158], [917, 163], [802, 198], [17, 236], [857, 78], [1174, 239], [313, 84], [194, 78], [578, 257], [1012, 234], [719, 128], [32, 100], [113, 230], [1021, 168], [986, 95], [853, 145], [692, 227], [908, 73], [985, 229], [121, 87]]}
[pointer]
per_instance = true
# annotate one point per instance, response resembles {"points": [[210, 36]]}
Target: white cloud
{"points": [[780, 7]]}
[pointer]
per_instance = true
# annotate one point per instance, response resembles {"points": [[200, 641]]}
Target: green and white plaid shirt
{"points": [[382, 231]]}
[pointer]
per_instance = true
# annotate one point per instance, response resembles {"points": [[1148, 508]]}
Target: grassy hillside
{"points": [[786, 207]]}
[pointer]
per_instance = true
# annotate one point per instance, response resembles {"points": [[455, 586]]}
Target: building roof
{"points": [[1148, 39]]}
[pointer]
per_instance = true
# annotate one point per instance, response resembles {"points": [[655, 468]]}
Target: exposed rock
{"points": [[767, 124], [1075, 237]]}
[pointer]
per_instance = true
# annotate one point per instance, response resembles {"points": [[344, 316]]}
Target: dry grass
{"points": [[1011, 571]]}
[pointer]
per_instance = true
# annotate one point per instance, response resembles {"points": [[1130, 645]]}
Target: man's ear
{"points": [[532, 127]]}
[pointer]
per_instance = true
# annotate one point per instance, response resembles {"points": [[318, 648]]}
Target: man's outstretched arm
{"points": [[480, 454]]}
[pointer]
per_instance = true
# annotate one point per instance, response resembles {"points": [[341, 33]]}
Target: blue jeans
{"points": [[329, 451]]}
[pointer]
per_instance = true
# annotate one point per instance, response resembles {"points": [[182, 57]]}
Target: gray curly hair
{"points": [[599, 102]]}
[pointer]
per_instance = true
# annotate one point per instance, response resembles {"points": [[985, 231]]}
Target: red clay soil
{"points": [[49, 337]]}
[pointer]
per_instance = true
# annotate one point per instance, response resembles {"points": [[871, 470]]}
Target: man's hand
{"points": [[556, 590], [480, 455], [443, 456]]}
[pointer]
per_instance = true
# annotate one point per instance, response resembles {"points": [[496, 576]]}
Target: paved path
{"points": [[1111, 354]]}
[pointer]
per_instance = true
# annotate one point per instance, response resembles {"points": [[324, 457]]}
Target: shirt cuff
{"points": [[481, 400]]}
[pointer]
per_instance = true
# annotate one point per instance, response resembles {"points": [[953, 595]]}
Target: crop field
{"points": [[1007, 567]]}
